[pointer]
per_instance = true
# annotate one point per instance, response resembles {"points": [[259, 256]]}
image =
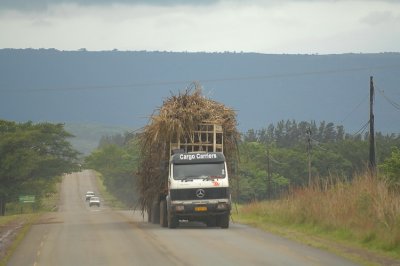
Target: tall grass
{"points": [[364, 210]]}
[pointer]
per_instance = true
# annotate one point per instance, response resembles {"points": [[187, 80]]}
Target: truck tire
{"points": [[173, 221], [223, 221], [163, 213], [211, 221], [155, 213]]}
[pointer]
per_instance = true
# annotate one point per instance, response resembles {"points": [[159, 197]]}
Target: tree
{"points": [[32, 152], [330, 134], [326, 163], [391, 168], [340, 133], [250, 136], [290, 164], [280, 133], [253, 172]]}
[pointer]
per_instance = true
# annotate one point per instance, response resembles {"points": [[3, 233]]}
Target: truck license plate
{"points": [[200, 209]]}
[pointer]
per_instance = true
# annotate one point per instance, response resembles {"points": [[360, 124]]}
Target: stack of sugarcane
{"points": [[179, 116]]}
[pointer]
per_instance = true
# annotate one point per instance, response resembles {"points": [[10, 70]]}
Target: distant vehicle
{"points": [[89, 195], [94, 201]]}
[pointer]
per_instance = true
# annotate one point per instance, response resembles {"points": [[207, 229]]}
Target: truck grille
{"points": [[190, 194]]}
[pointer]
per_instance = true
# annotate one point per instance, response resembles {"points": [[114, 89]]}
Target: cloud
{"points": [[44, 4], [41, 23], [28, 4], [288, 26], [381, 17]]}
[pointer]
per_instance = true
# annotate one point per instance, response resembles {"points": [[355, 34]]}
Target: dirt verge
{"points": [[10, 233]]}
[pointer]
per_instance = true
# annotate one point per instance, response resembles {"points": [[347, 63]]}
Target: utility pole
{"points": [[308, 132], [269, 179], [372, 161], [236, 176]]}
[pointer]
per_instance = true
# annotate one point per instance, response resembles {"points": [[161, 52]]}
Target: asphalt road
{"points": [[81, 235]]}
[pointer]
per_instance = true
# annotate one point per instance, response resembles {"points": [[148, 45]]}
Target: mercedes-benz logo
{"points": [[200, 193]]}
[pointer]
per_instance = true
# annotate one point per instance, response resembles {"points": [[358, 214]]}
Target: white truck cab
{"points": [[198, 189]]}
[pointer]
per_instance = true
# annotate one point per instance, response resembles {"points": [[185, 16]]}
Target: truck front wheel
{"points": [[172, 221], [223, 221]]}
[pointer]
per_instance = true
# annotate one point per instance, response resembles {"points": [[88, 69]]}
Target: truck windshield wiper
{"points": [[188, 178], [205, 178]]}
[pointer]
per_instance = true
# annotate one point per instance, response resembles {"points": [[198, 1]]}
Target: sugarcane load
{"points": [[187, 150]]}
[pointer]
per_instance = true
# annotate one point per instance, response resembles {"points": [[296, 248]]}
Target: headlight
{"points": [[179, 208], [222, 206]]}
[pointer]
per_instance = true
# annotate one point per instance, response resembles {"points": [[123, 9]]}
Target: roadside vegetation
{"points": [[364, 212], [32, 157], [46, 202], [108, 197], [339, 204], [275, 159]]}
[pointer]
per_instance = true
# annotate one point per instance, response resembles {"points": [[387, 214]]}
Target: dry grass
{"points": [[178, 116], [365, 210]]}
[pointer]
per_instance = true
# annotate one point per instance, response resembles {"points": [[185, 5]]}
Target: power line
{"points": [[362, 129], [276, 161], [354, 109], [393, 103], [318, 144], [80, 88], [185, 82]]}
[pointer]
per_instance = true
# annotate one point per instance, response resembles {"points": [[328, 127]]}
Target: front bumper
{"points": [[200, 207]]}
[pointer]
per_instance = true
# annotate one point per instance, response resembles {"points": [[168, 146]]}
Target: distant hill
{"points": [[124, 88], [87, 136]]}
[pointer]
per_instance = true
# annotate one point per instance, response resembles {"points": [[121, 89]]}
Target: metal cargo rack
{"points": [[207, 137]]}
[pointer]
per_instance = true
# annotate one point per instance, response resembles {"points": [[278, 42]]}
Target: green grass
{"points": [[6, 219]]}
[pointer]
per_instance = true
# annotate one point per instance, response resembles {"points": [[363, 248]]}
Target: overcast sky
{"points": [[276, 26]]}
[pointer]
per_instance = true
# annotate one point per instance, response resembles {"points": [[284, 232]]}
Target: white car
{"points": [[94, 201], [89, 194]]}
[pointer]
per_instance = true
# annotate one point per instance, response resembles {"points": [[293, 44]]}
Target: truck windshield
{"points": [[194, 171]]}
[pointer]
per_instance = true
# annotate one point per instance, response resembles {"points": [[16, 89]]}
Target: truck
{"points": [[185, 162], [198, 181]]}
